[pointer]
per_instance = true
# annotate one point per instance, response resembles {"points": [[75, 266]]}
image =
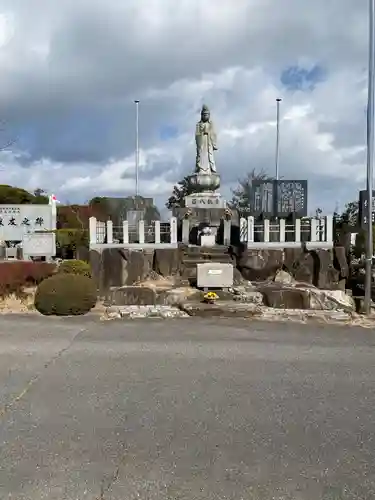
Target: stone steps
{"points": [[198, 255]]}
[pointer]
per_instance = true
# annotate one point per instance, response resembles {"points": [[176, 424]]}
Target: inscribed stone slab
{"points": [[214, 275]]}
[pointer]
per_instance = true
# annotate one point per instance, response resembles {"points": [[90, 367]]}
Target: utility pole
{"points": [[370, 155], [136, 147], [278, 100]]}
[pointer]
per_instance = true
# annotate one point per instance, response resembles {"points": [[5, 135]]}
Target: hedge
{"points": [[15, 275], [74, 266]]}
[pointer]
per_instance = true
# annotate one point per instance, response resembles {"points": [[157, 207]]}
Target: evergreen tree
{"points": [[180, 190], [241, 198]]}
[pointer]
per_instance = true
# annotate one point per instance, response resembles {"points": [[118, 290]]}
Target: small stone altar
{"points": [[205, 218]]}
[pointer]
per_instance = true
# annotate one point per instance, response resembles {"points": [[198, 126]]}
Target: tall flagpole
{"points": [[278, 100], [370, 155], [136, 147]]}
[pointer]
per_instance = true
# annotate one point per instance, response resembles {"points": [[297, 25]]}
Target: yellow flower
{"points": [[211, 296]]}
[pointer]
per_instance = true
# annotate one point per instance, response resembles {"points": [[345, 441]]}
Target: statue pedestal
{"points": [[200, 183], [205, 200], [203, 210]]}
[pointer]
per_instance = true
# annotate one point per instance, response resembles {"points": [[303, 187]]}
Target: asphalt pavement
{"points": [[185, 409]]}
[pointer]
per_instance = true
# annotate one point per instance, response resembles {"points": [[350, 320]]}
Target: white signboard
{"points": [[39, 244], [19, 220]]}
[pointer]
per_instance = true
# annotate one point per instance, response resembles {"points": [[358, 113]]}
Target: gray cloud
{"points": [[72, 70]]}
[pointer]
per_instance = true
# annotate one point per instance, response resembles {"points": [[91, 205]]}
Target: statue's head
{"points": [[205, 113]]}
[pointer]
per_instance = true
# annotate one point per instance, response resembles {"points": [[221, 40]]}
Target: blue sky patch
{"points": [[168, 132], [298, 78]]}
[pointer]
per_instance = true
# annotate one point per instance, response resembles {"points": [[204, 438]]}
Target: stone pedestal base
{"points": [[205, 200], [203, 210]]}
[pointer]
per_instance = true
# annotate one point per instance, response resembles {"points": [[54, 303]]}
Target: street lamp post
{"points": [[370, 155], [136, 147], [278, 100]]}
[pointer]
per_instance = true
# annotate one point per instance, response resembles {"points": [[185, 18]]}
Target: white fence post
{"points": [[157, 231], [321, 229], [141, 231], [329, 229], [92, 230], [173, 225], [282, 231], [250, 229], [297, 231], [109, 231], [125, 232], [243, 229], [314, 229], [266, 230]]}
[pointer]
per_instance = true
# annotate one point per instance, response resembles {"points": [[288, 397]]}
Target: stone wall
{"points": [[325, 269]]}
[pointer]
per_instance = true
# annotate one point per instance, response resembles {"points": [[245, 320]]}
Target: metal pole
{"points": [[136, 148], [278, 100], [370, 155]]}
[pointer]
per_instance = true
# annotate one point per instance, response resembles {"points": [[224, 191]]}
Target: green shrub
{"points": [[66, 294], [75, 267]]}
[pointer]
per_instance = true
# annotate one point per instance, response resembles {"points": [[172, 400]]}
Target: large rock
{"points": [[303, 296], [167, 261], [304, 269], [341, 264], [284, 277], [331, 300], [326, 276], [114, 267], [259, 265], [247, 294], [131, 295], [95, 259], [325, 269], [139, 264], [281, 296], [179, 295]]}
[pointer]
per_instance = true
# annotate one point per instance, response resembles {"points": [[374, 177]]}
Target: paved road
{"points": [[185, 409]]}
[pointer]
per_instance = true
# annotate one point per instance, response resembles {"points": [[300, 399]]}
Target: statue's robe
{"points": [[205, 138]]}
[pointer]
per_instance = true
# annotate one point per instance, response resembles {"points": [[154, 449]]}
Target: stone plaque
{"points": [[291, 198], [205, 201], [362, 208], [214, 275], [39, 244], [281, 198], [19, 220], [262, 198]]}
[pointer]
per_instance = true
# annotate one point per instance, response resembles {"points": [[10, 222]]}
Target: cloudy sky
{"points": [[71, 69]]}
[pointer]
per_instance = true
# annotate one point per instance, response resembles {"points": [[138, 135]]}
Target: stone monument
{"points": [[205, 211]]}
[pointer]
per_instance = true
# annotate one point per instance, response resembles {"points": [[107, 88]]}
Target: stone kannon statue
{"points": [[205, 138]]}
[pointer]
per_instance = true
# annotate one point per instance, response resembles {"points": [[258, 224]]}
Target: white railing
{"points": [[155, 235], [313, 232]]}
